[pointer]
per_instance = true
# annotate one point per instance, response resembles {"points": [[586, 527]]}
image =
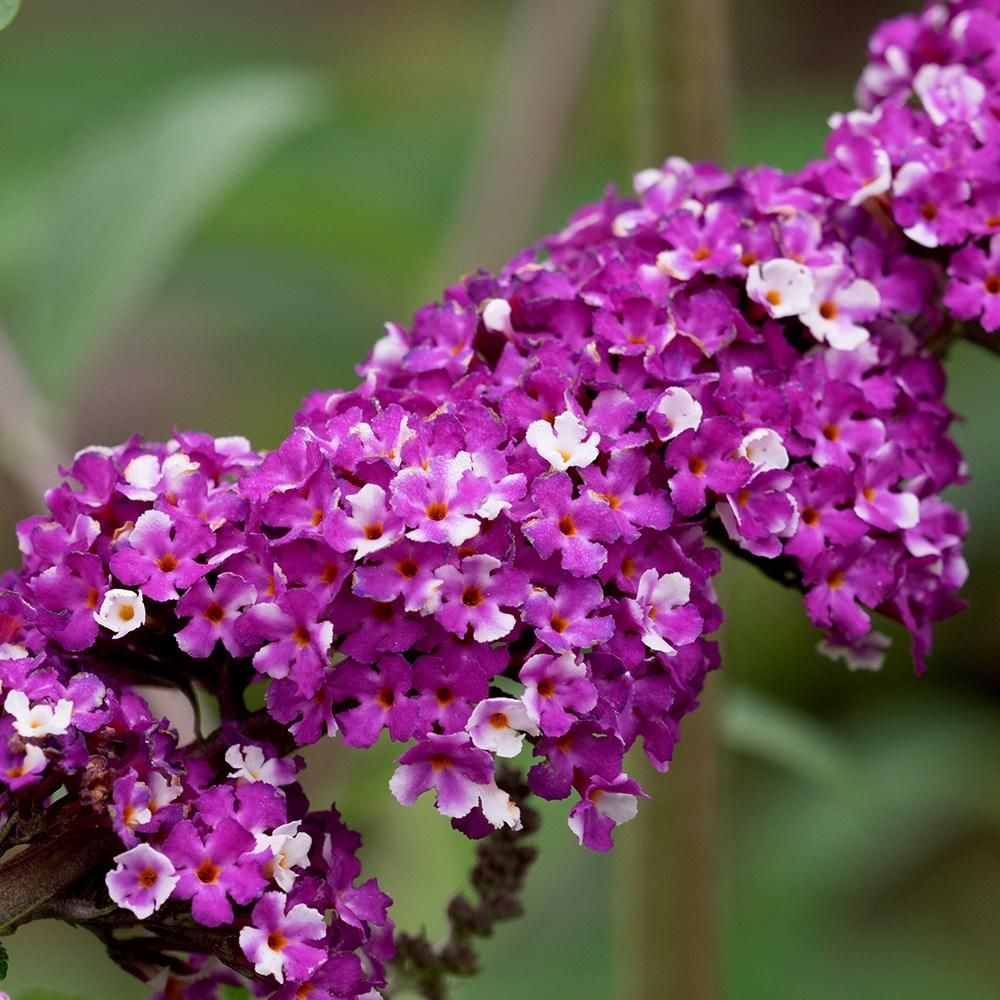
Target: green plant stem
{"points": [[539, 68], [669, 927], [679, 51], [680, 66]]}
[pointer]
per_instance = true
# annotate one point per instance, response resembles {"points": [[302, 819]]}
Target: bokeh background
{"points": [[208, 209]]}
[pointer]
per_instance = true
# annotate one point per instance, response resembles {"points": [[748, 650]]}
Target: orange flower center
{"points": [[207, 872], [215, 613], [437, 511]]}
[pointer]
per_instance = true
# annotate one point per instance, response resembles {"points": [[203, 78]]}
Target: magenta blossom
{"points": [[143, 880], [276, 942], [459, 772], [214, 869]]}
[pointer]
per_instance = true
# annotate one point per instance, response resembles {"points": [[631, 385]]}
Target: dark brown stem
{"points": [[48, 868]]}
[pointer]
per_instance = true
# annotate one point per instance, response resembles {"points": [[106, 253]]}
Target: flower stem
{"points": [[49, 867], [679, 51]]}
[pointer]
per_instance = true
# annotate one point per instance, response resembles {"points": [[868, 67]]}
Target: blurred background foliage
{"points": [[207, 210]]}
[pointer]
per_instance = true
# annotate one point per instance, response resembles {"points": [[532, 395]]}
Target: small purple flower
{"points": [[338, 977], [383, 700], [276, 941], [974, 286], [840, 579], [471, 596], [619, 489], [131, 798], [458, 771], [822, 497], [159, 554], [706, 459], [212, 870], [564, 621], [949, 93], [860, 169], [930, 206], [877, 502], [556, 691], [605, 805], [662, 612], [143, 880], [758, 513], [581, 753], [451, 683], [439, 503], [77, 585], [21, 766], [296, 643], [705, 244], [213, 615], [368, 528], [837, 425], [573, 528], [405, 570]]}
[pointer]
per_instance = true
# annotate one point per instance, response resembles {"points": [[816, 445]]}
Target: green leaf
{"points": [[8, 11], [46, 995], [4, 962], [235, 993], [129, 200], [755, 724]]}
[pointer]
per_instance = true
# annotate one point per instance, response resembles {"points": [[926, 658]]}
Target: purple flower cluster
{"points": [[138, 577], [501, 538]]}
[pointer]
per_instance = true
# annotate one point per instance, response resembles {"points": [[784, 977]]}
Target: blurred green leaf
{"points": [[129, 199], [46, 995], [234, 993], [4, 962], [758, 725], [8, 11]]}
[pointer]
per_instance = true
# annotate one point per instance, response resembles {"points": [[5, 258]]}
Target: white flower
{"points": [[144, 474], [682, 410], [837, 304], [783, 287], [33, 762], [250, 764], [162, 791], [289, 850], [764, 449], [499, 725], [143, 880], [496, 316], [498, 807], [566, 444], [949, 93], [121, 611], [38, 720]]}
